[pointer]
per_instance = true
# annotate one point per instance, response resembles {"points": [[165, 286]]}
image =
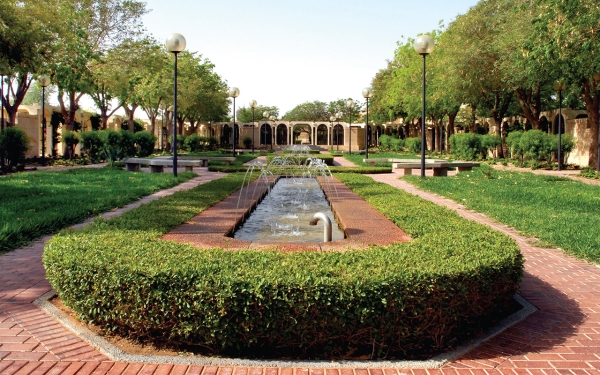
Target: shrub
{"points": [[193, 143], [413, 145], [144, 142], [536, 145], [567, 144], [91, 145], [14, 144], [71, 139], [513, 141], [465, 146], [397, 145], [247, 141], [385, 142], [111, 145], [489, 142], [127, 144], [408, 300]]}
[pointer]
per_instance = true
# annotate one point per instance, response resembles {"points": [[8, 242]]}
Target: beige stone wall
{"points": [[31, 124], [583, 140]]}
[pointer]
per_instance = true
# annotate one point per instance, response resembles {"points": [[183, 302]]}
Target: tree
{"points": [[309, 111], [92, 28], [340, 106], [27, 32], [244, 114], [566, 36], [472, 56]]}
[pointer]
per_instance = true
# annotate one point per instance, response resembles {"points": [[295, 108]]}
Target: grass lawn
{"points": [[559, 211], [38, 203], [358, 158]]}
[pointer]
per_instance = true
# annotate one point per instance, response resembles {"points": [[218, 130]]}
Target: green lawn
{"points": [[559, 211], [358, 158], [38, 203]]}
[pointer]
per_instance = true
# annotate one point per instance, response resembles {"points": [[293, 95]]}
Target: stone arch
{"points": [[544, 124], [266, 134], [322, 134], [225, 134], [281, 134], [558, 118], [581, 115], [338, 135]]}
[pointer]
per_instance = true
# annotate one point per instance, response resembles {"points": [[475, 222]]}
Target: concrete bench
{"points": [[205, 159], [440, 167], [133, 164], [157, 164]]}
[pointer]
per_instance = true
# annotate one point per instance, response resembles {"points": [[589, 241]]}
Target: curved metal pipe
{"points": [[326, 225]]}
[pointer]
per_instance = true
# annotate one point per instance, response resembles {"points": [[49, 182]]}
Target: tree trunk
{"points": [[69, 114], [450, 128], [23, 83], [531, 104], [592, 105], [130, 111]]}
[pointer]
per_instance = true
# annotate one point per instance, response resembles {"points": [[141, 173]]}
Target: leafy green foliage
{"points": [[144, 142], [536, 144], [556, 210], [407, 300], [14, 144], [413, 144], [92, 145], [39, 203]]}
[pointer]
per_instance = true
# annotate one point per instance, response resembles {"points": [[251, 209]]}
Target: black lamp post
{"points": [[337, 134], [44, 81], [162, 126], [367, 93], [423, 46], [234, 92], [560, 87], [175, 43], [253, 105], [264, 137], [350, 106], [331, 121], [272, 118]]}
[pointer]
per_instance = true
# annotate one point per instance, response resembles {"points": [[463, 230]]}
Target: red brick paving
{"points": [[563, 337]]}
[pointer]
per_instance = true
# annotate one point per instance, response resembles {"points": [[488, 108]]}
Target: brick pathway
{"points": [[563, 337]]}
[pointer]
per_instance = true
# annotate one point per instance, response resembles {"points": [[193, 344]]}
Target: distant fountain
{"points": [[285, 213]]}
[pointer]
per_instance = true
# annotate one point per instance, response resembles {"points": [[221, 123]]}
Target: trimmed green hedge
{"points": [[327, 158], [407, 300]]}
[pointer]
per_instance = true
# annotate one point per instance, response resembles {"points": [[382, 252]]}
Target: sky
{"points": [[285, 53]]}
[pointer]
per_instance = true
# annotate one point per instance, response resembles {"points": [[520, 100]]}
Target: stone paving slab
{"points": [[563, 337]]}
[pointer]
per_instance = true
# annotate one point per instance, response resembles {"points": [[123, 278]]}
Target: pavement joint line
{"points": [[116, 354]]}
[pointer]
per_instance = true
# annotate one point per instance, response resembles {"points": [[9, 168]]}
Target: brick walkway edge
{"points": [[562, 337]]}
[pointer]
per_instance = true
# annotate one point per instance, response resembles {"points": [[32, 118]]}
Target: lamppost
{"points": [[423, 46], [265, 116], [234, 92], [560, 87], [337, 134], [350, 106], [162, 126], [43, 81], [272, 118], [367, 93], [253, 105], [175, 43], [331, 121]]}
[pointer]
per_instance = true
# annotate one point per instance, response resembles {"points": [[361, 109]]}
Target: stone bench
{"points": [[205, 159], [157, 165], [440, 167]]}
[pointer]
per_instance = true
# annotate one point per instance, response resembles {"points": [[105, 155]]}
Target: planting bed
{"points": [[403, 300]]}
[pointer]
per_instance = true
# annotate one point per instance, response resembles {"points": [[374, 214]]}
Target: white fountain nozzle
{"points": [[327, 229]]}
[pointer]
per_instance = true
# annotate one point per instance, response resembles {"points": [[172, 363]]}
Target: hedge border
{"points": [[410, 300]]}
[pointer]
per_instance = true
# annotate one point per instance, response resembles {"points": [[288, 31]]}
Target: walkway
{"points": [[563, 337]]}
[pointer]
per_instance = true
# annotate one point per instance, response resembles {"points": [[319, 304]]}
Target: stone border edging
{"points": [[118, 355]]}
